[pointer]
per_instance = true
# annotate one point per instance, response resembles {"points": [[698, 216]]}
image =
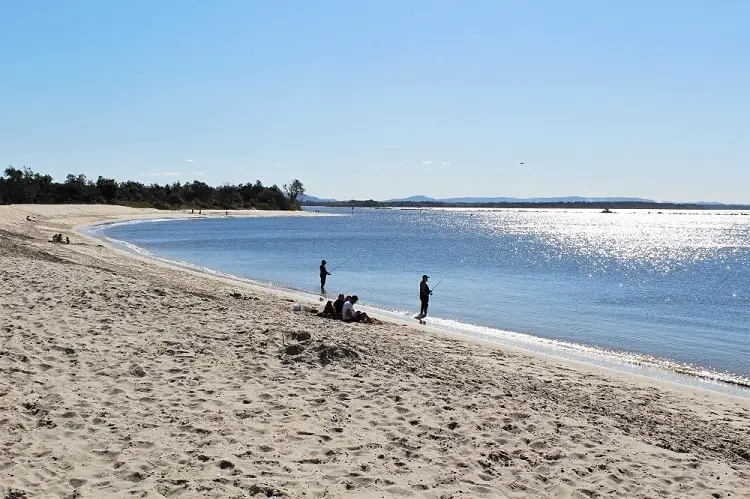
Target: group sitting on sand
{"points": [[343, 309], [58, 238]]}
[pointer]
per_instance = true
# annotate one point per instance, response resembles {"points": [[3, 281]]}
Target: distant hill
{"points": [[412, 199], [421, 200], [305, 198]]}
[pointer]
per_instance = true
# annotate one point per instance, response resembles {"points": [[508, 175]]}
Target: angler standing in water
{"points": [[424, 297], [323, 274]]}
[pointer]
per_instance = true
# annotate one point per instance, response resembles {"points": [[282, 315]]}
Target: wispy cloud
{"points": [[445, 163], [161, 174], [427, 162], [190, 161], [400, 163], [198, 174]]}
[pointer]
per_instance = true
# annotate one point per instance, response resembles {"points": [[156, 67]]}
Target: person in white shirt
{"points": [[347, 311], [348, 314]]}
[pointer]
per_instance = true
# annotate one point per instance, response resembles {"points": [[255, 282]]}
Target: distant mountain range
{"points": [[306, 198], [567, 199]]}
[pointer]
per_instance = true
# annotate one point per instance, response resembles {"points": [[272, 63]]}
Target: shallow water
{"points": [[665, 289]]}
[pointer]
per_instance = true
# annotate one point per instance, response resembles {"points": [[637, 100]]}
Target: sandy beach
{"points": [[124, 377]]}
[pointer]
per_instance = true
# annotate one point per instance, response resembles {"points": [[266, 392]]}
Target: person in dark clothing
{"points": [[338, 305], [328, 311], [323, 274], [424, 296]]}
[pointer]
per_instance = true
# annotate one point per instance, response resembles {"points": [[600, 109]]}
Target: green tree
{"points": [[294, 190], [107, 188]]}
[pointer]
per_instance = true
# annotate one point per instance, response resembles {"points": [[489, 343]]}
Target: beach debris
{"points": [[296, 307]]}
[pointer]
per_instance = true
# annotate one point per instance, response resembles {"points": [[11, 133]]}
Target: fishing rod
{"points": [[438, 283], [339, 265]]}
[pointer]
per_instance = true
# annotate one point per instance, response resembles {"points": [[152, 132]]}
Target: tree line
{"points": [[19, 186]]}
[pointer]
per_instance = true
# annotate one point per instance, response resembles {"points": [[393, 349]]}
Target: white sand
{"points": [[122, 377]]}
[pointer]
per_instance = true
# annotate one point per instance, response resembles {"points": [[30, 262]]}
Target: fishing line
{"points": [[438, 283], [339, 265]]}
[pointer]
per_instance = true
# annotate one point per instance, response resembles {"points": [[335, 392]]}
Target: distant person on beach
{"points": [[424, 296], [323, 274], [338, 305]]}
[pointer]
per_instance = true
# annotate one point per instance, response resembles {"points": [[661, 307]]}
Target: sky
{"points": [[384, 99]]}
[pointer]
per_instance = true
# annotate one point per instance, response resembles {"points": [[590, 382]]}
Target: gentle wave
{"points": [[99, 227], [630, 362]]}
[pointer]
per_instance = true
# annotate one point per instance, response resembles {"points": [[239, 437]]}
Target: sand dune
{"points": [[122, 377]]}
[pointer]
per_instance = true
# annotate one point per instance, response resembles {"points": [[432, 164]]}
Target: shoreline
{"points": [[121, 374], [629, 363]]}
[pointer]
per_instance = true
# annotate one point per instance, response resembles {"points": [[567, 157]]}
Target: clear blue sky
{"points": [[382, 99]]}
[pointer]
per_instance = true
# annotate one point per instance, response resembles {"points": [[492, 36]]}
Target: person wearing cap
{"points": [[323, 274], [424, 296]]}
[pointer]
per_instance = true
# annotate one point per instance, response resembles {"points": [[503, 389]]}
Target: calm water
{"points": [[673, 286]]}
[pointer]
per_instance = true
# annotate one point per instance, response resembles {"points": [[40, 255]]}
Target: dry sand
{"points": [[122, 377]]}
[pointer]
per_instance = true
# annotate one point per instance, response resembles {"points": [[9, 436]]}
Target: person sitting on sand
{"points": [[328, 311], [67, 240], [338, 305], [348, 314], [347, 309]]}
